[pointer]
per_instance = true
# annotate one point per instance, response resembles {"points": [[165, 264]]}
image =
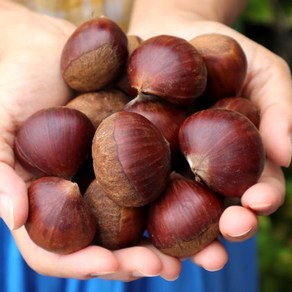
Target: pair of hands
{"points": [[30, 79]]}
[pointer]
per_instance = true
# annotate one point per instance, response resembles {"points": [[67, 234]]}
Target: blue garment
{"points": [[240, 274]]}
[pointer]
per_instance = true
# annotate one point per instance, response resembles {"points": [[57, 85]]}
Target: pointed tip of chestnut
{"points": [[185, 218], [226, 64], [54, 141], [168, 67], [224, 149], [94, 55], [131, 159], [59, 219]]}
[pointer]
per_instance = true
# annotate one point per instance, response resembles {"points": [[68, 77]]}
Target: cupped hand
{"points": [[269, 86], [30, 79]]}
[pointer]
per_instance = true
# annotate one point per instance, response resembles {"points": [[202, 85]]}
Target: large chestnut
{"points": [[98, 105], [94, 55], [185, 219], [131, 159], [168, 67], [224, 150], [59, 219], [54, 141], [226, 64], [117, 227]]}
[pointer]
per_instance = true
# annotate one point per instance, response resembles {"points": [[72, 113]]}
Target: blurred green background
{"points": [[269, 22]]}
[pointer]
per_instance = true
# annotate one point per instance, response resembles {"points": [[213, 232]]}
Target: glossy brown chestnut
{"points": [[54, 141], [98, 105], [168, 67], [117, 227], [224, 150], [165, 116], [185, 219], [131, 159], [59, 220], [226, 64], [94, 55], [241, 105]]}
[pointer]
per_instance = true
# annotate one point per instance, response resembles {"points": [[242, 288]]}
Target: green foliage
{"points": [[275, 246], [259, 11]]}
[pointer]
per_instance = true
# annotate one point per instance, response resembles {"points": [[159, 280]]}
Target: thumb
{"points": [[13, 197]]}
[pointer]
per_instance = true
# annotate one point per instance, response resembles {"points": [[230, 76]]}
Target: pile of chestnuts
{"points": [[155, 139]]}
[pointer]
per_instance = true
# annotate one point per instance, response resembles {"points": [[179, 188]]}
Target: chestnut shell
{"points": [[117, 227], [94, 55], [185, 219], [131, 159], [59, 220], [168, 67], [165, 116], [99, 105], [224, 150], [241, 105], [226, 64], [54, 141]]}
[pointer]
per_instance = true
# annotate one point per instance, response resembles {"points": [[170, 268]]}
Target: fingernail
{"points": [[139, 274], [6, 211], [100, 275], [170, 279], [240, 234]]}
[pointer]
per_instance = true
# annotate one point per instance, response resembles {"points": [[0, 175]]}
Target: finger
{"points": [[89, 262], [171, 266], [269, 85], [13, 197], [212, 258], [238, 223], [136, 262], [268, 194]]}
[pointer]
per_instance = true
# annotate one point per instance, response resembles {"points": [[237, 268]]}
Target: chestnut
{"points": [[94, 55], [59, 219], [241, 105], [131, 159], [168, 67], [226, 64], [185, 219], [224, 150], [54, 141], [117, 227], [165, 116], [98, 105]]}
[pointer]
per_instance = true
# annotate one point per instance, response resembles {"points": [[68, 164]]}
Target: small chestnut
{"points": [[165, 116], [241, 105], [168, 67], [131, 159], [117, 227], [94, 55], [59, 219], [224, 150], [54, 141], [185, 219], [98, 105], [226, 64]]}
